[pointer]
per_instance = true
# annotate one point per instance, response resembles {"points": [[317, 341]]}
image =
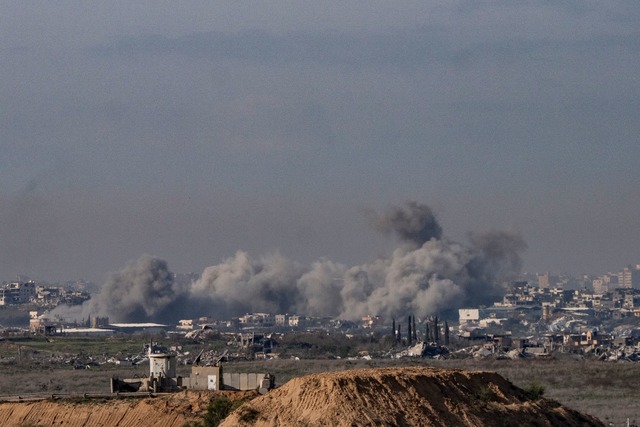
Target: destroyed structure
{"points": [[45, 296]]}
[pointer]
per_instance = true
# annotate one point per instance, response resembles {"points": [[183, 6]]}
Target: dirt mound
{"points": [[167, 411], [403, 397]]}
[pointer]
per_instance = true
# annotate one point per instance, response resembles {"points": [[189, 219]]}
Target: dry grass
{"points": [[603, 389]]}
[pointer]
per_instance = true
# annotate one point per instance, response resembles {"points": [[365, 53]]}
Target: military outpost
{"points": [[163, 378]]}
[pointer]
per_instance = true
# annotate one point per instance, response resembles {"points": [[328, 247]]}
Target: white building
{"points": [[185, 324], [466, 315]]}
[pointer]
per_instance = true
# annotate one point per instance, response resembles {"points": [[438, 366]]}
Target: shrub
{"points": [[534, 391], [219, 408], [248, 414], [217, 411], [484, 395]]}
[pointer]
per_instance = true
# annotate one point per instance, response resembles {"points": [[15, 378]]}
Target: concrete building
{"points": [[281, 319], [185, 324], [205, 378], [546, 280], [132, 328], [213, 378], [605, 283], [17, 293], [295, 321], [257, 320], [84, 332], [468, 315], [629, 278]]}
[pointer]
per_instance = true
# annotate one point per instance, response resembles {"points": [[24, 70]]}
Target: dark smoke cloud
{"points": [[412, 222], [427, 276], [143, 291]]}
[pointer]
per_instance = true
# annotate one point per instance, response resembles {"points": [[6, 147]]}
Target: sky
{"points": [[191, 130]]}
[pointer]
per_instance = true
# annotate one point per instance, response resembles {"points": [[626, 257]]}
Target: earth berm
{"points": [[412, 396]]}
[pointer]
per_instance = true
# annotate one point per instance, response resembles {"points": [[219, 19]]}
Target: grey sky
{"points": [[189, 130]]}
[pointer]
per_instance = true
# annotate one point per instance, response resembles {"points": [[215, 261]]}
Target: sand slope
{"points": [[403, 397], [169, 411]]}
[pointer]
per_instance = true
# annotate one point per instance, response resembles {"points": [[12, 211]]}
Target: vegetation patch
{"points": [[485, 395], [535, 391], [248, 414], [219, 408]]}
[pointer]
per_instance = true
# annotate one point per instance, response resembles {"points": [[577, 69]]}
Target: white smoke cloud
{"points": [[425, 275], [319, 289], [243, 284]]}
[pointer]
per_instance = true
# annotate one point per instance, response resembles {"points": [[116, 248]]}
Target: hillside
{"points": [[414, 396], [166, 411]]}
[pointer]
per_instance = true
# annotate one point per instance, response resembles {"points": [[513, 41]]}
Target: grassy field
{"points": [[606, 390], [71, 345]]}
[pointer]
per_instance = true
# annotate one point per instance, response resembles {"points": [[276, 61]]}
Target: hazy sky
{"points": [[189, 130]]}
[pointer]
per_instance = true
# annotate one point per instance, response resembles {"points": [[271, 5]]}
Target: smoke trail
{"points": [[424, 276]]}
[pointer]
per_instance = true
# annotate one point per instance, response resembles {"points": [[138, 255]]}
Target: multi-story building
{"points": [[546, 280], [295, 321], [18, 293], [281, 319], [629, 278], [257, 320], [605, 283]]}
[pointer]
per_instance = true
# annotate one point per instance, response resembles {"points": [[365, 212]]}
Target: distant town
{"points": [[539, 315]]}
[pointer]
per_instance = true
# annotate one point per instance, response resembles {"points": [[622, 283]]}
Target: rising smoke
{"points": [[412, 223], [142, 290], [426, 274]]}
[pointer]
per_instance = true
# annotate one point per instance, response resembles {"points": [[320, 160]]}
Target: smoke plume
{"points": [[413, 223], [142, 291], [425, 275]]}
